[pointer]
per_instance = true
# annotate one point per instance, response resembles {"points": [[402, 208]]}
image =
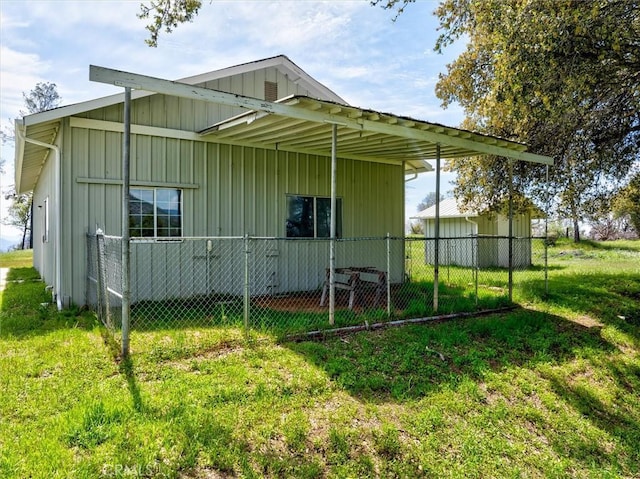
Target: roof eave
{"points": [[19, 154]]}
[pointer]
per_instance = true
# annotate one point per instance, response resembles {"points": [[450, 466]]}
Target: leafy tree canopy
{"points": [[167, 15], [627, 202], [429, 200], [560, 75], [43, 97]]}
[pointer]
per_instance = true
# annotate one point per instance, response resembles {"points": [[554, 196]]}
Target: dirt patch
{"points": [[309, 302], [587, 322]]}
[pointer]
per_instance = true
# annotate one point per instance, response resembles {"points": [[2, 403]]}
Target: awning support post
{"points": [[436, 246], [126, 265], [510, 231], [546, 237], [332, 233]]}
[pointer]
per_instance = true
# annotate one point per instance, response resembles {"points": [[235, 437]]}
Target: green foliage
{"points": [[561, 76], [627, 202], [19, 214], [428, 201], [167, 15], [44, 96]]}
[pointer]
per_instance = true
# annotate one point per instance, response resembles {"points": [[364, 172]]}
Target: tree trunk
{"points": [[574, 212], [576, 230], [24, 237], [31, 224]]}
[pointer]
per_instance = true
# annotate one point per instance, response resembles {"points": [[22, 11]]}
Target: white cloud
{"points": [[353, 48], [18, 69]]}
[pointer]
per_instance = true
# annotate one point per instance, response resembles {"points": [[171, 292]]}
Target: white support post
{"points": [[510, 231], [332, 233], [436, 246], [546, 236], [388, 278], [126, 266], [246, 283]]}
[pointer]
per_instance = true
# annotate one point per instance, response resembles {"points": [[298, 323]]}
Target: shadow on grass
{"points": [[619, 421], [610, 298], [415, 360], [411, 363]]}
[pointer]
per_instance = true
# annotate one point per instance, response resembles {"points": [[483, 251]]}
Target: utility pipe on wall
{"points": [[57, 188]]}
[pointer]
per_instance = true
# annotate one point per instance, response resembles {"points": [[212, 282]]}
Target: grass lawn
{"points": [[17, 259], [549, 390]]}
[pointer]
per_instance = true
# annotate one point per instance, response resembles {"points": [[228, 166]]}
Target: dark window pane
{"points": [[300, 217], [163, 221], [324, 217], [135, 222]]}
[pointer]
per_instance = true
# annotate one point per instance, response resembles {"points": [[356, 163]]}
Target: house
{"points": [[246, 150], [472, 238]]}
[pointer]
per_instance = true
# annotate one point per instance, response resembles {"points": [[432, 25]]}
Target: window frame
{"points": [[315, 202], [155, 237], [45, 233]]}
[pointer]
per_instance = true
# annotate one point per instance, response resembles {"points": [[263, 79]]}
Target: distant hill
{"points": [[8, 244]]}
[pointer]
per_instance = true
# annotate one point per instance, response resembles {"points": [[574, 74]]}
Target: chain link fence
{"points": [[281, 285], [104, 279]]}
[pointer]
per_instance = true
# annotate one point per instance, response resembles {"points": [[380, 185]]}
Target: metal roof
{"points": [[448, 209], [298, 124], [31, 158], [44, 126], [362, 134]]}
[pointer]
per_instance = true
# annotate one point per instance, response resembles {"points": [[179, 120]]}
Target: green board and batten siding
{"points": [[227, 190]]}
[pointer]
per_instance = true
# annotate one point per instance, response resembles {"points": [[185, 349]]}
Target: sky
{"points": [[355, 49]]}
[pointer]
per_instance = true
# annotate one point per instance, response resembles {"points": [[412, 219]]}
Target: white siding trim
{"points": [[158, 184]]}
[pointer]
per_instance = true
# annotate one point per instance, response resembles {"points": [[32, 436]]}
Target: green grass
{"points": [[548, 390], [17, 259]]}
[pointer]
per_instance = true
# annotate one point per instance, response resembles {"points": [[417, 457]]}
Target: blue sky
{"points": [[353, 48]]}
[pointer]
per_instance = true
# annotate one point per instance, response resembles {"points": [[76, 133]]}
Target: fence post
{"points": [[511, 231], [100, 289], [436, 248], [476, 263], [546, 266], [246, 282], [388, 275], [546, 238], [103, 292]]}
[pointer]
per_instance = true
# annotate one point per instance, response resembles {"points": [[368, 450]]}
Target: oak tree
{"points": [[562, 76]]}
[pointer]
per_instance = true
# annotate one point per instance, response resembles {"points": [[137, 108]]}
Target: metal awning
{"points": [[362, 134], [366, 133]]}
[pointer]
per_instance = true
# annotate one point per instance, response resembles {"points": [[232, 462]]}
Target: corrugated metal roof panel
{"points": [[448, 209]]}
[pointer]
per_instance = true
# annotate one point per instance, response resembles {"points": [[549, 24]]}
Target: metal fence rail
{"points": [[280, 285]]}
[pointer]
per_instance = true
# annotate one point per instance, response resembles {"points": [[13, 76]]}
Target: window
{"points": [[155, 212], [310, 217], [45, 233]]}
